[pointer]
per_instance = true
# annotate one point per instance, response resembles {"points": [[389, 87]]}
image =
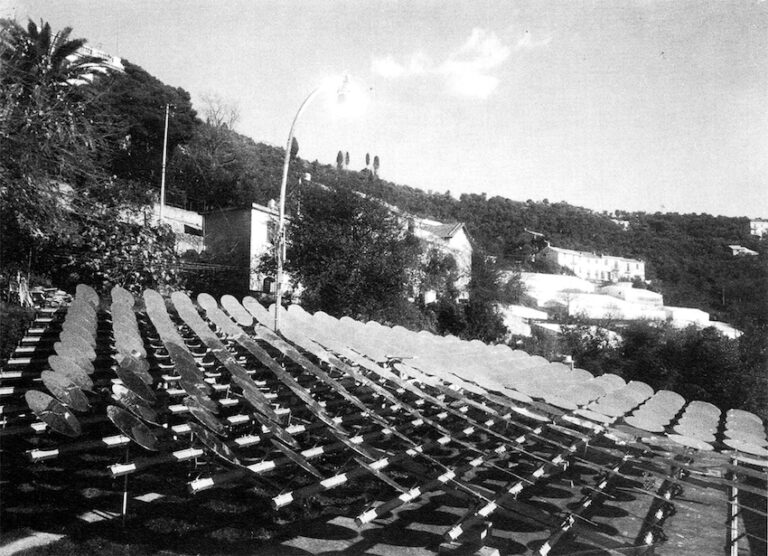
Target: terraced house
{"points": [[595, 267]]}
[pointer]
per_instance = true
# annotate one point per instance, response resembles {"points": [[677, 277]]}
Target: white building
{"points": [[591, 266], [596, 306], [726, 329], [682, 317], [624, 224], [546, 290], [188, 226], [451, 239], [242, 235], [685, 316], [518, 318], [758, 227], [741, 251], [523, 312], [640, 297], [102, 63], [606, 307]]}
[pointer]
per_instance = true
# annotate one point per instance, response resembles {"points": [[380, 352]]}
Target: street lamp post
{"points": [[280, 247], [341, 92]]}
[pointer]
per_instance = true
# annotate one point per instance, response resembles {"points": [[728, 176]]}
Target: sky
{"points": [[643, 105]]}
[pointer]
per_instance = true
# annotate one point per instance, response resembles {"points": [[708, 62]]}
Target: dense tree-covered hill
{"points": [[686, 254]]}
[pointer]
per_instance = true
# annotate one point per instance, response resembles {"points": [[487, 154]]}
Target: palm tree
{"points": [[35, 57], [48, 134]]}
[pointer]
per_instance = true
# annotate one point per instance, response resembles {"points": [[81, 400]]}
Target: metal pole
{"points": [[125, 486], [280, 247], [165, 155], [733, 515]]}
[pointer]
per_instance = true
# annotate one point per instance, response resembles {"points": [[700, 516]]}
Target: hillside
{"points": [[210, 165], [686, 254]]}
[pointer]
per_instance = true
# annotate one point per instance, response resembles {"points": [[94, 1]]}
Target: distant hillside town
{"points": [[600, 289]]}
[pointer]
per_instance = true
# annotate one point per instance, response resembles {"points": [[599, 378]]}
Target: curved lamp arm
{"points": [[280, 247], [341, 92]]}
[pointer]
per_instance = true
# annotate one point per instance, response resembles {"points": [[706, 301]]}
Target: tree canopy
{"points": [[49, 132], [58, 139], [136, 102], [350, 254]]}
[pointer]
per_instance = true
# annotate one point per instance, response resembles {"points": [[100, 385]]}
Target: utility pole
{"points": [[165, 156]]}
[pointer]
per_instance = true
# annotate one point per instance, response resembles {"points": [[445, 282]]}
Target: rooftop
{"points": [[588, 254]]}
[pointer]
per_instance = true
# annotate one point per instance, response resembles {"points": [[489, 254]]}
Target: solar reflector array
{"points": [[329, 403]]}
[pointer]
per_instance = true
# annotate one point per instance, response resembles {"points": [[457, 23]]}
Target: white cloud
{"points": [[387, 67], [468, 70], [482, 49], [419, 63]]}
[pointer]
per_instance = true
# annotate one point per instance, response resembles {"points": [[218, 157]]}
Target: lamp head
{"points": [[351, 98], [342, 91]]}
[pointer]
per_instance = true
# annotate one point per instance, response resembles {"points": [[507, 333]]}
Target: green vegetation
{"points": [[351, 255], [135, 103], [79, 151], [355, 258], [686, 256], [14, 321], [480, 318], [62, 135], [698, 364], [49, 135]]}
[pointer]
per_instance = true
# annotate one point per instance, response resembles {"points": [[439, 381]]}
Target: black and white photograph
{"points": [[383, 277]]}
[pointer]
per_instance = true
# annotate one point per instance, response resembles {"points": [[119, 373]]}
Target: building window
{"points": [[193, 231], [267, 285]]}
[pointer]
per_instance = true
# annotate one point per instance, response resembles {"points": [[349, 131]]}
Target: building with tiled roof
{"points": [[451, 239]]}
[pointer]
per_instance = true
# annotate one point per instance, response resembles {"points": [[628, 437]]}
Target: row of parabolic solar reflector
{"points": [[472, 366], [222, 410], [71, 366], [522, 377]]}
